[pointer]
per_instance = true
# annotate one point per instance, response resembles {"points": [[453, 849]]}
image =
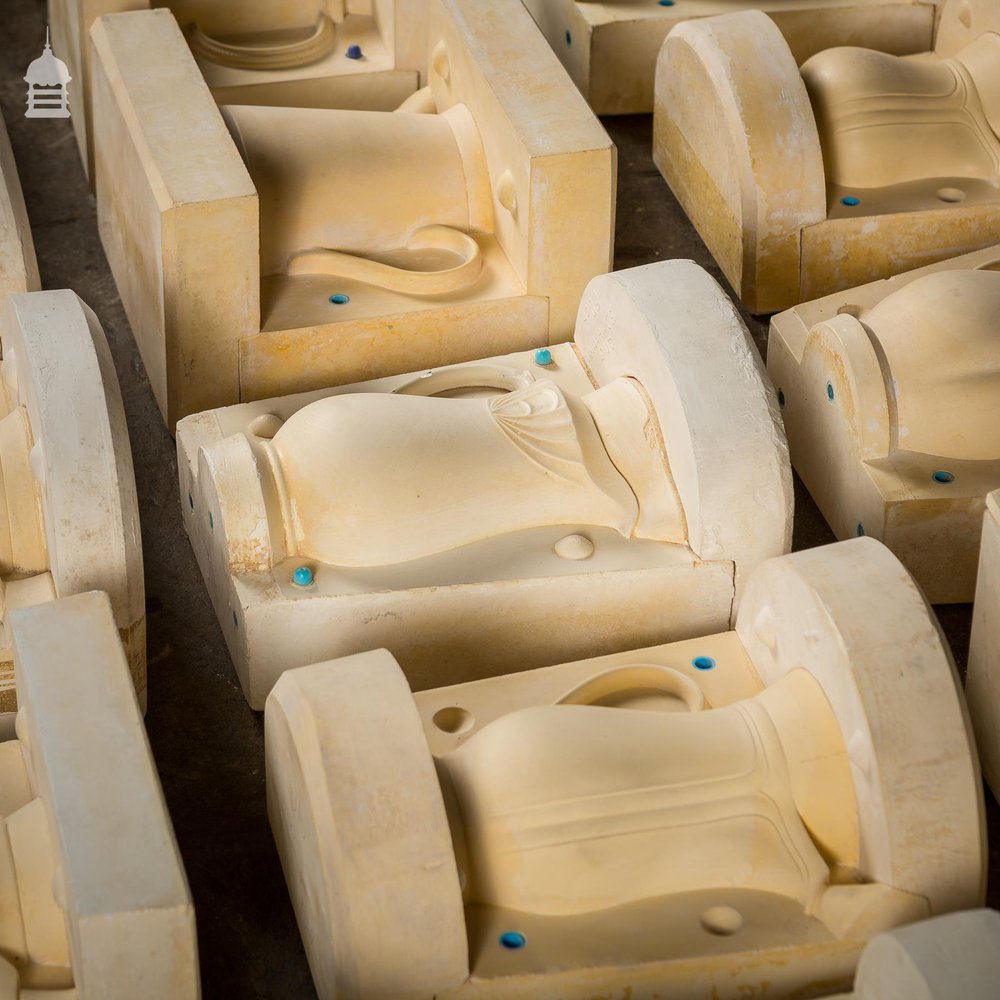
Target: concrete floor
{"points": [[208, 744]]}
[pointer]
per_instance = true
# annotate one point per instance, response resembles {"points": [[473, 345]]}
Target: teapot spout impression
{"points": [[337, 263]]}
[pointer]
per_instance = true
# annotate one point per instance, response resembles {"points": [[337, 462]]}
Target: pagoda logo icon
{"points": [[47, 80]]}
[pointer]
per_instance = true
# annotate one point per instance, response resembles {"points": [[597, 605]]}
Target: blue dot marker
{"points": [[354, 52], [943, 476], [512, 940], [860, 530], [829, 391], [666, 3], [211, 521], [543, 356], [340, 299], [850, 201], [302, 577], [569, 38], [703, 663]]}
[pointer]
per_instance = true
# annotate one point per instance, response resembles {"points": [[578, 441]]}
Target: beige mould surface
{"points": [[501, 514], [309, 53], [855, 166], [610, 48], [69, 521], [734, 816], [94, 900], [266, 250], [889, 401]]}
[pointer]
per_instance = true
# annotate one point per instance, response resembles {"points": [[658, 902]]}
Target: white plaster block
{"points": [[730, 815], [278, 249], [18, 267], [889, 406], [505, 513], [70, 522], [858, 165], [100, 890], [289, 53], [610, 48]]}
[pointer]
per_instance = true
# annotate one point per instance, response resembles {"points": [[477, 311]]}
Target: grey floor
{"points": [[208, 744]]}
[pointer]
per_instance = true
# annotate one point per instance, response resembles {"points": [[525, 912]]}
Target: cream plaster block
{"points": [[955, 955], [735, 815], [18, 267], [982, 682], [271, 52], [610, 48], [889, 404], [69, 521], [500, 514], [263, 250], [94, 897], [858, 165]]}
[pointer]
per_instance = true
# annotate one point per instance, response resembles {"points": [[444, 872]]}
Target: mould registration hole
{"points": [[454, 719], [340, 299], [265, 426], [703, 663], [943, 476], [849, 309]]}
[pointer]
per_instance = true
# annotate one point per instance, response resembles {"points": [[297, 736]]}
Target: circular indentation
{"points": [[302, 576], [574, 547], [236, 621], [950, 195], [340, 299], [512, 940], [859, 530], [211, 521], [781, 397], [722, 920], [569, 38], [354, 52], [849, 309], [829, 391], [439, 61], [543, 356], [454, 719], [703, 663], [191, 501], [666, 3], [507, 192], [850, 201], [943, 476], [265, 426]]}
